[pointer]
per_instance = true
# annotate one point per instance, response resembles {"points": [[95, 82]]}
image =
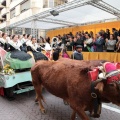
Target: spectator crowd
{"points": [[102, 41], [81, 41]]}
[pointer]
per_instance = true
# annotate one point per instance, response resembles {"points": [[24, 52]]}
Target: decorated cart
{"points": [[15, 76]]}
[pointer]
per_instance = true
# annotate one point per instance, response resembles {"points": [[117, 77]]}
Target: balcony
{"points": [[3, 2], [21, 16], [4, 24], [1, 19], [1, 7], [4, 11]]}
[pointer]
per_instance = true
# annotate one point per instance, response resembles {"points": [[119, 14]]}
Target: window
{"points": [[25, 6], [59, 2], [51, 3], [45, 3], [12, 0], [12, 13]]}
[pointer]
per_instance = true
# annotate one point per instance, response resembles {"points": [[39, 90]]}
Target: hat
{"points": [[79, 46]]}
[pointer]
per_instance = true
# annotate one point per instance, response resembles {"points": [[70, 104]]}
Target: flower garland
{"points": [[7, 70]]}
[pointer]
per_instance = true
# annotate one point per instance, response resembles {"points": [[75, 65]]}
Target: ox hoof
{"points": [[43, 111], [95, 115], [36, 101]]}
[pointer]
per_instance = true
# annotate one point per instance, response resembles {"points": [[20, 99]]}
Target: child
{"points": [[65, 54]]}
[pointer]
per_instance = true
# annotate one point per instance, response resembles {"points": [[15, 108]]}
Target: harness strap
{"points": [[96, 99]]}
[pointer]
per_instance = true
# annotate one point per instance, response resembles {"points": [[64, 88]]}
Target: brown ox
{"points": [[69, 80]]}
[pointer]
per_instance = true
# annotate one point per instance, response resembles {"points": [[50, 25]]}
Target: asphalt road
{"points": [[24, 108]]}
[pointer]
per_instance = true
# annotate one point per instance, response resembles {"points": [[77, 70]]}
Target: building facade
{"points": [[12, 11]]}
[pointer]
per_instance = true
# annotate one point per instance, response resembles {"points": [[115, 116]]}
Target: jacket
{"points": [[77, 56], [99, 44]]}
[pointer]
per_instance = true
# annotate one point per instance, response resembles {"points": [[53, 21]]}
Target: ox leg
{"points": [[73, 116], [80, 111], [39, 97], [36, 99]]}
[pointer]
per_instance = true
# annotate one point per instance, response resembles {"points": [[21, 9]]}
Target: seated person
{"points": [[26, 41], [3, 40], [36, 50], [15, 48]]}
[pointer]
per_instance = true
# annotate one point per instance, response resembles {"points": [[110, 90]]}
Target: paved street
{"points": [[24, 108]]}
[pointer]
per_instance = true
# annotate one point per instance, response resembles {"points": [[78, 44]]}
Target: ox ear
{"points": [[100, 86]]}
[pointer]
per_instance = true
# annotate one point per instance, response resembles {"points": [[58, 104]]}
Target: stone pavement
{"points": [[24, 108]]}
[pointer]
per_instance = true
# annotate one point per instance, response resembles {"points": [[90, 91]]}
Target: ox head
{"points": [[109, 91]]}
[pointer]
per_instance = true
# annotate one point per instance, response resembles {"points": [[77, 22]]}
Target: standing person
{"points": [[80, 41], [69, 44], [77, 55], [108, 34], [74, 43], [88, 43], [115, 33], [59, 42], [99, 43], [118, 44], [110, 44]]}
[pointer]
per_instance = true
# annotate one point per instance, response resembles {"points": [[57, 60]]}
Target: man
{"points": [[115, 33], [99, 42], [77, 55], [80, 40]]}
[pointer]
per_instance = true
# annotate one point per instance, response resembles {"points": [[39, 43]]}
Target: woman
{"points": [[42, 42], [15, 48], [26, 42], [110, 44], [69, 44], [118, 44], [3, 40], [88, 43], [24, 38], [36, 50], [56, 54], [59, 43]]}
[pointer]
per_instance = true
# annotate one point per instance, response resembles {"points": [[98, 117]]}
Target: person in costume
{"points": [[24, 38], [16, 49], [26, 42], [36, 50], [0, 34], [3, 40]]}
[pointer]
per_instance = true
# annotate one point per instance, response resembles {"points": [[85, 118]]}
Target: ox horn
{"points": [[99, 85]]}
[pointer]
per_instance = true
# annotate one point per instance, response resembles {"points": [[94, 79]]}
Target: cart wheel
{"points": [[9, 93]]}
